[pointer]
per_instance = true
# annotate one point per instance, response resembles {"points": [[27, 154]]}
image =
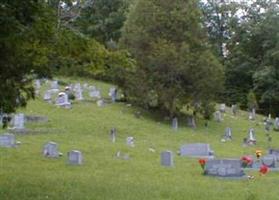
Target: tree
{"points": [[25, 38], [174, 64]]}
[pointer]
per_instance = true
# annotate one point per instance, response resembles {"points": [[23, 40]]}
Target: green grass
{"points": [[26, 175]]}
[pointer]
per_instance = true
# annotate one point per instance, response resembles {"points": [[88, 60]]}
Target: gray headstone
{"points": [[113, 94], [54, 85], [7, 140], [234, 109], [222, 107], [174, 123], [224, 168], [79, 95], [130, 141], [18, 121], [75, 157], [167, 159], [276, 124], [251, 138], [191, 122], [196, 150], [94, 93], [113, 135], [218, 116], [62, 100], [228, 134], [274, 152], [51, 150], [269, 161], [47, 96], [252, 114]]}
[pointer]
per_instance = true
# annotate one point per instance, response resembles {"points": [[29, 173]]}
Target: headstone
{"points": [[18, 121], [35, 118], [78, 94], [174, 123], [75, 157], [94, 93], [47, 96], [113, 135], [222, 108], [224, 168], [51, 150], [130, 141], [270, 161], [197, 150], [191, 122], [113, 94], [251, 139], [252, 114], [218, 116], [234, 109], [276, 124], [100, 103], [228, 134], [62, 100], [54, 85], [167, 159], [274, 152], [7, 140]]}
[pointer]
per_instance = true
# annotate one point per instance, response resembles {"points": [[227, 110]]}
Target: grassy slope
{"points": [[26, 174]]}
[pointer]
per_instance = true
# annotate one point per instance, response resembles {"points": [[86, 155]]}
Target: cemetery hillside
{"points": [[139, 99]]}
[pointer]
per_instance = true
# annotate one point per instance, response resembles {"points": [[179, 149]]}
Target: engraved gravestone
{"points": [[62, 100], [174, 123], [18, 121], [75, 157], [200, 150], [7, 140], [270, 161], [51, 150], [167, 159], [224, 168]]}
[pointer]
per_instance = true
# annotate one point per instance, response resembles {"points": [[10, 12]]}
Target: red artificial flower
{"points": [[247, 160], [202, 162], [263, 169]]}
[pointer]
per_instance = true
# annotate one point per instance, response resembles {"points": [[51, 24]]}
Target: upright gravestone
{"points": [[224, 168], [270, 161], [199, 150], [234, 109], [7, 140], [113, 135], [75, 157], [218, 116], [276, 124], [51, 150], [54, 85], [222, 108], [252, 114], [113, 94], [191, 122], [18, 121], [62, 100], [251, 139], [228, 134], [268, 123], [47, 96], [167, 159], [94, 93], [174, 123], [130, 141], [274, 152], [78, 94]]}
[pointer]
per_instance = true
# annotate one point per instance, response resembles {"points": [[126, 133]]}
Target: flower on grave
{"points": [[258, 154], [263, 170], [247, 161], [202, 163]]}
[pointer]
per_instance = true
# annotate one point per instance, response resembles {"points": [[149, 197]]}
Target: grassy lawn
{"points": [[26, 175]]}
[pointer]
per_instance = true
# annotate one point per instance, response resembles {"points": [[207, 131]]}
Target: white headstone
{"points": [[251, 139], [19, 121], [174, 123], [54, 85], [167, 159], [47, 96], [113, 94], [51, 150], [199, 150], [62, 100], [7, 140], [75, 157], [276, 124]]}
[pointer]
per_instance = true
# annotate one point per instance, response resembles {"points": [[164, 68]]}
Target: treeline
{"points": [[164, 55]]}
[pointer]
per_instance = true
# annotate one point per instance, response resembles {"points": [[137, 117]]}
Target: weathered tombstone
{"points": [[94, 93], [251, 139], [130, 141], [47, 96], [228, 134], [174, 123], [234, 109], [100, 103], [54, 85], [18, 121], [200, 150], [276, 124], [191, 122], [78, 94], [113, 135], [167, 159], [274, 152], [218, 116], [222, 108], [224, 168], [75, 157], [252, 114], [270, 161], [113, 94], [62, 100], [51, 150], [7, 140]]}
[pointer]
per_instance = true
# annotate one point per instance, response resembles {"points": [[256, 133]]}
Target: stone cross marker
{"points": [[75, 157], [51, 150], [224, 168], [7, 140], [199, 150], [167, 159]]}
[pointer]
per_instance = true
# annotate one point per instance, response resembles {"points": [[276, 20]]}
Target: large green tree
{"points": [[175, 65], [25, 38]]}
